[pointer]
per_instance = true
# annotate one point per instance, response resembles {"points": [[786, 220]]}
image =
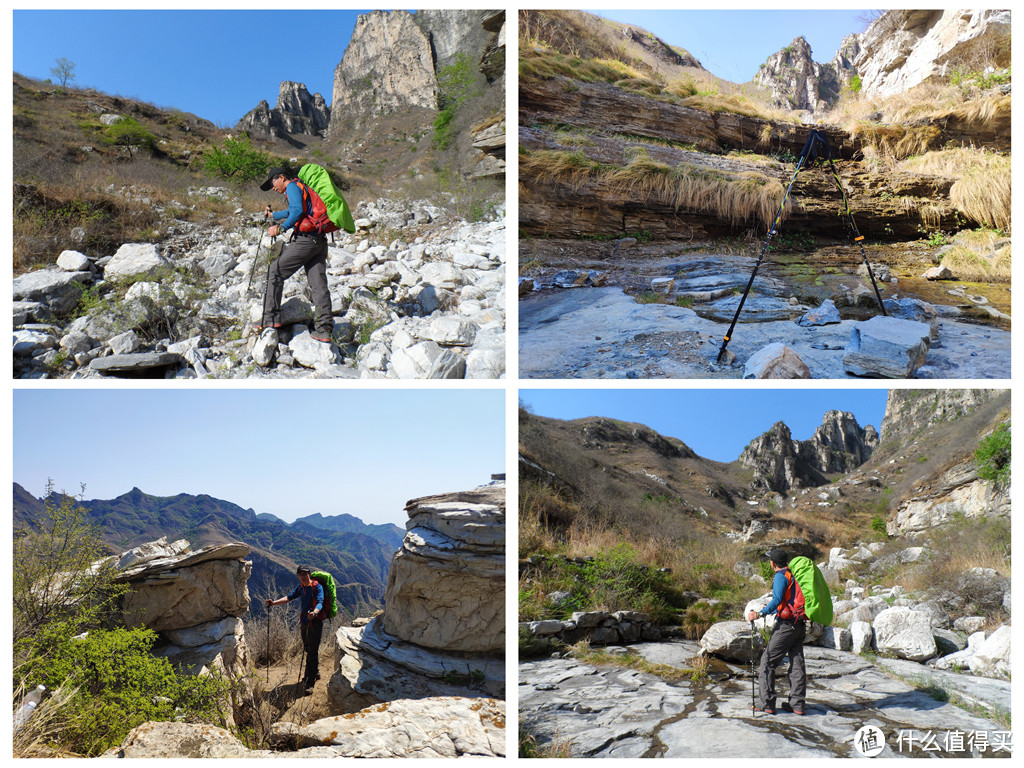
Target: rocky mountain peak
{"points": [[780, 463], [796, 81], [904, 48], [297, 112]]}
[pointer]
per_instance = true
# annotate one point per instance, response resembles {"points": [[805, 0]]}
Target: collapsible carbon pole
{"points": [[858, 238], [815, 148]]}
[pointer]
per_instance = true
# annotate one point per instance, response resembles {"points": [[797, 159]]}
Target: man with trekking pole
{"points": [[306, 248], [311, 621], [787, 638]]}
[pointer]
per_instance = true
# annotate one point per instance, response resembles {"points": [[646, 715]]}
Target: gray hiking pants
{"points": [[309, 251], [787, 638]]}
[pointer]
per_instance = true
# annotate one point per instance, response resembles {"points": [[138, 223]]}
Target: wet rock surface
{"points": [[604, 333], [615, 712]]}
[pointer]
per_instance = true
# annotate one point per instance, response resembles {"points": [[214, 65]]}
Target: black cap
{"points": [[303, 569], [274, 173], [778, 556]]}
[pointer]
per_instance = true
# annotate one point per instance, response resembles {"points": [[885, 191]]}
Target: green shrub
{"points": [[993, 455], [855, 84], [129, 134], [119, 685], [237, 159]]}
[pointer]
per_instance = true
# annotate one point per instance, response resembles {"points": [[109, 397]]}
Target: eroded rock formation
{"points": [[780, 463], [436, 727], [195, 600], [904, 48], [296, 112], [442, 631]]}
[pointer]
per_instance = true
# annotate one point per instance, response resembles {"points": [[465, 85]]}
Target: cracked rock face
{"points": [[904, 48], [446, 585], [611, 711], [388, 65], [195, 600]]}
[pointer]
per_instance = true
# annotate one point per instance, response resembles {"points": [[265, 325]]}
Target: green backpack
{"points": [[330, 592], [317, 179], [817, 599]]}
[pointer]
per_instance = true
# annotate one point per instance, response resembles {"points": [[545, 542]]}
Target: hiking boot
{"points": [[260, 327], [324, 336], [787, 707], [766, 710]]}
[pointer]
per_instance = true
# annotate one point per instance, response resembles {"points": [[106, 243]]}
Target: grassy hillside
{"points": [[614, 516]]}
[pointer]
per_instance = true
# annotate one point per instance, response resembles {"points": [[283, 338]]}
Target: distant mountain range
{"points": [[356, 554]]}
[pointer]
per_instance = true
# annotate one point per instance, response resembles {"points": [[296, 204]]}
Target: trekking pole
{"points": [[268, 644], [753, 702], [256, 258], [764, 249], [302, 656], [857, 236]]}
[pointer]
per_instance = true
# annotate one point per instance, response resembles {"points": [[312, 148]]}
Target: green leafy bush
{"points": [[993, 455], [237, 159], [119, 685], [129, 134]]}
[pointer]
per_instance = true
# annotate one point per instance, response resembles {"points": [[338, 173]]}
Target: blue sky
{"points": [[732, 44], [288, 452], [215, 64], [717, 424]]}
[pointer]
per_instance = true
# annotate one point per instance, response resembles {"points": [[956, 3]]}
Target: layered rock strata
{"points": [[195, 600], [442, 630]]}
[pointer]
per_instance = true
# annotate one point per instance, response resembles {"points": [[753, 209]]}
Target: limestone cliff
{"points": [[908, 410], [904, 48], [388, 65]]}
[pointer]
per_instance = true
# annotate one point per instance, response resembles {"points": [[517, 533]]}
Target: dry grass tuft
{"points": [[968, 265], [983, 195], [737, 198]]}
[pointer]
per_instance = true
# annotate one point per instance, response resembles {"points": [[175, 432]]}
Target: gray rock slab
{"points": [[887, 347], [139, 363], [57, 289], [974, 690], [614, 712], [604, 333]]}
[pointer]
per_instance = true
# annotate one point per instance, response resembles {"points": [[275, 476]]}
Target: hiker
{"points": [[304, 249], [787, 638], [311, 620]]}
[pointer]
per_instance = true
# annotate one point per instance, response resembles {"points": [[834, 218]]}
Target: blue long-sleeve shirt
{"points": [[288, 218], [778, 592], [312, 598]]}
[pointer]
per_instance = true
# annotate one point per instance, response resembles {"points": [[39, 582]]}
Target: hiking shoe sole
{"points": [[324, 337], [766, 711], [261, 328]]}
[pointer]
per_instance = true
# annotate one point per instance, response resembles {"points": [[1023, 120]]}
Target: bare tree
{"points": [[64, 71]]}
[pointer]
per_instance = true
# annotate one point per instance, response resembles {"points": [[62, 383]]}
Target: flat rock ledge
{"points": [[433, 727]]}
